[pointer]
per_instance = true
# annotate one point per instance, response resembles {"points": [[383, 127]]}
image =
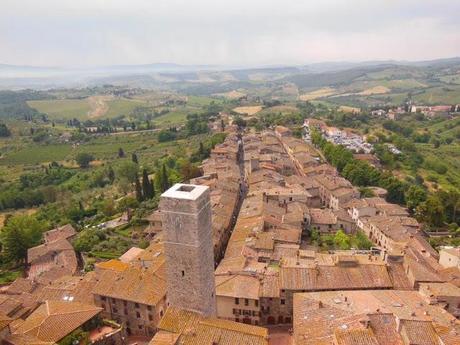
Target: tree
{"points": [[121, 153], [162, 179], [128, 171], [18, 235], [414, 196], [341, 240], [431, 211], [134, 158], [189, 171], [360, 241], [4, 131], [111, 174], [239, 121], [147, 186], [83, 159], [139, 195], [222, 125], [166, 135]]}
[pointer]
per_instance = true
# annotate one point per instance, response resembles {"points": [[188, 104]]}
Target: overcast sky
{"points": [[230, 32]]}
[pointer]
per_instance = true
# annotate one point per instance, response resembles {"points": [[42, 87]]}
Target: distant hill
{"points": [[308, 76]]}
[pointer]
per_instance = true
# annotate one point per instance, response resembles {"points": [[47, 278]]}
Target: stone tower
{"points": [[186, 222]]}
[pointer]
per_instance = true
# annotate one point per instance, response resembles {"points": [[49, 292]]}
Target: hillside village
{"points": [[234, 258]]}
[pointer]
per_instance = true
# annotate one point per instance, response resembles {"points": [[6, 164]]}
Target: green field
{"points": [[201, 100], [119, 107], [439, 95], [64, 109], [175, 117]]}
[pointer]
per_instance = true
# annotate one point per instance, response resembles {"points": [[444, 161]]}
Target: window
{"points": [[115, 310], [283, 301], [150, 317], [149, 307], [136, 305], [138, 315], [126, 311], [237, 301], [103, 298], [103, 306], [161, 313], [256, 303], [140, 326], [237, 319], [246, 302], [183, 273], [125, 303]]}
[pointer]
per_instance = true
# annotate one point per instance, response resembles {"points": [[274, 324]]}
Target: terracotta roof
{"points": [[4, 321], [53, 320], [164, 338], [62, 232], [419, 332], [318, 315], [146, 286], [197, 330], [70, 288], [21, 285], [265, 241], [47, 248], [451, 275], [439, 289], [113, 264], [131, 254], [354, 337], [334, 277], [238, 286]]}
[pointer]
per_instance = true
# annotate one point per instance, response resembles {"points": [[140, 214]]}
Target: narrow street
{"points": [[243, 184], [241, 193]]}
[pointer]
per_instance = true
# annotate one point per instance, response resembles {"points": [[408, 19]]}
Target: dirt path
{"points": [[99, 106]]}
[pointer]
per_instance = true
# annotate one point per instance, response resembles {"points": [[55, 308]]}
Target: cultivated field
{"points": [[374, 90], [250, 110], [64, 109], [87, 108], [348, 109], [324, 92], [234, 94]]}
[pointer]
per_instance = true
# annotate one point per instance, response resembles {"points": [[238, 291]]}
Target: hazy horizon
{"points": [[91, 33]]}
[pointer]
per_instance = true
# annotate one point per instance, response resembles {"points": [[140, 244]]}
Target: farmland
{"points": [[84, 109], [249, 110]]}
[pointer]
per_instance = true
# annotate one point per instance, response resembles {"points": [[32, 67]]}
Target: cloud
{"points": [[101, 32]]}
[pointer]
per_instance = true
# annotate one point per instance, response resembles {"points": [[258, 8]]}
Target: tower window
{"points": [[183, 273]]}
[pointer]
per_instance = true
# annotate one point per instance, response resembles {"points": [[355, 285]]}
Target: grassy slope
{"points": [[78, 108], [62, 109]]}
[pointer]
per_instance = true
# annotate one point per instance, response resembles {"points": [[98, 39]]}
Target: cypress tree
{"points": [[121, 153], [164, 180], [139, 195], [111, 174], [147, 186], [134, 158]]}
